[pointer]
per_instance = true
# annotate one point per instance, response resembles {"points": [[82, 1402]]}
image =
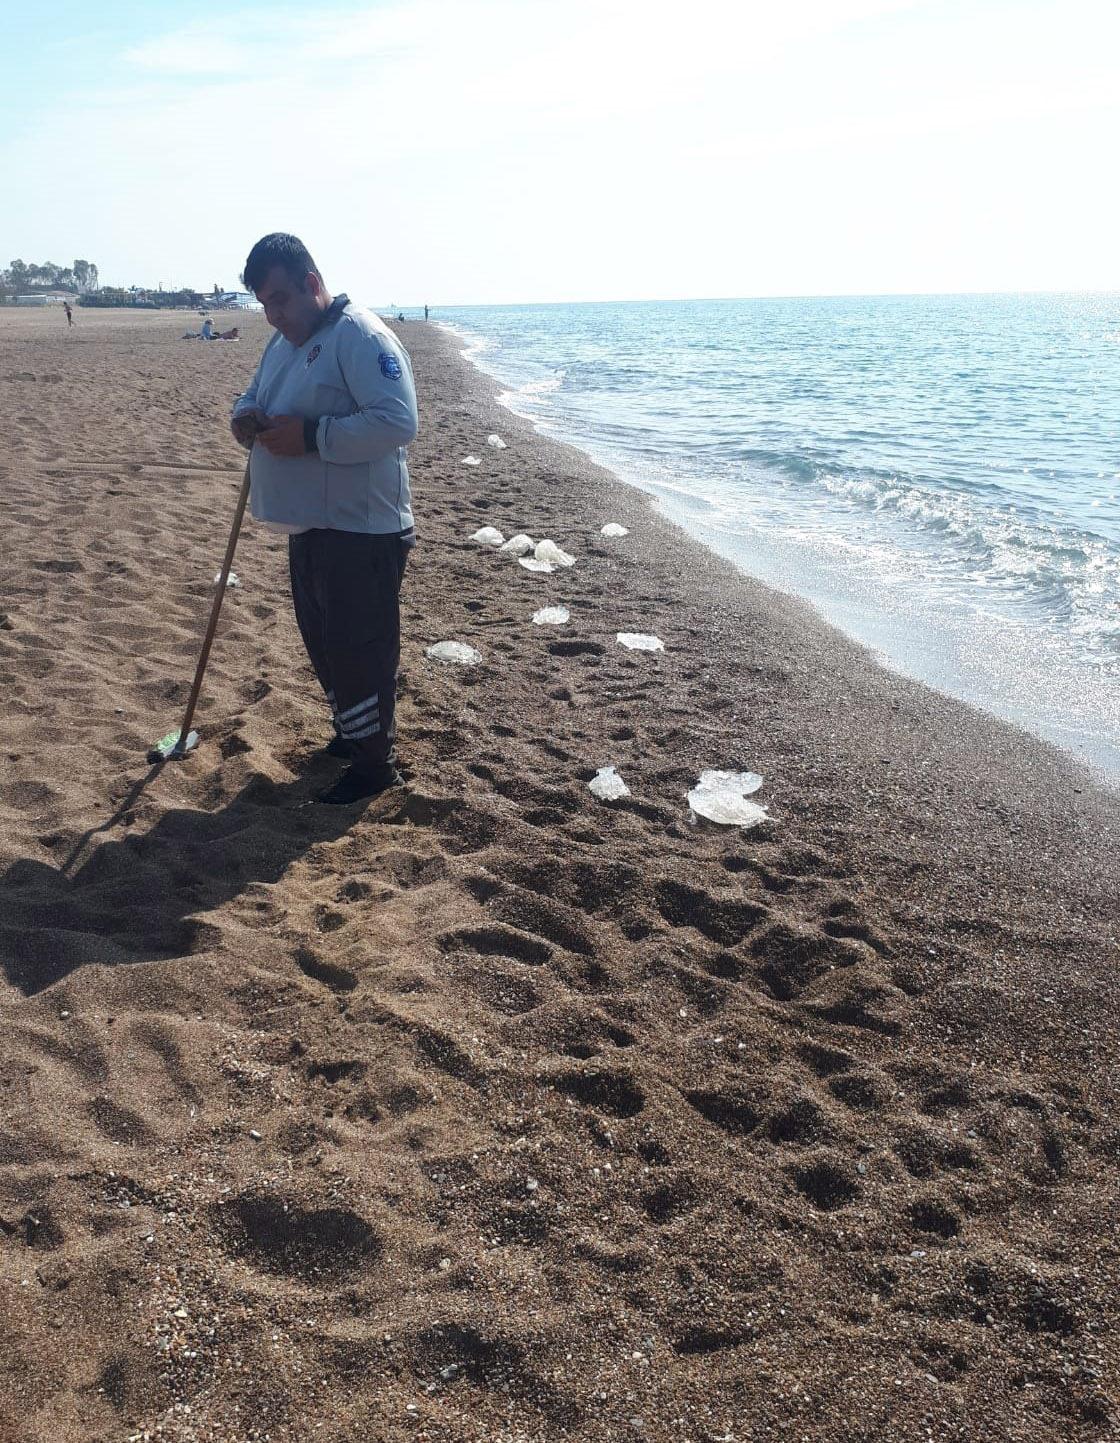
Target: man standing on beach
{"points": [[69, 314], [327, 418]]}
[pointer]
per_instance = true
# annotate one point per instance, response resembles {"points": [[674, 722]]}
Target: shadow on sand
{"points": [[145, 896]]}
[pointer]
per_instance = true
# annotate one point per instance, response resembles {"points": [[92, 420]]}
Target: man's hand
{"points": [[283, 436], [246, 427]]}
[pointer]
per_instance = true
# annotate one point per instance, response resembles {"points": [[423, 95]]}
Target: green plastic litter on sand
{"points": [[166, 745]]}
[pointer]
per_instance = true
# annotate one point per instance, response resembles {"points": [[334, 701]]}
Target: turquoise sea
{"points": [[939, 475]]}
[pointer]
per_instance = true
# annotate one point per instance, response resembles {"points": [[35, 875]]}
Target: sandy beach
{"points": [[493, 1111]]}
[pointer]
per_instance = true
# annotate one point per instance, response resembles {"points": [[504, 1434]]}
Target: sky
{"points": [[512, 151]]}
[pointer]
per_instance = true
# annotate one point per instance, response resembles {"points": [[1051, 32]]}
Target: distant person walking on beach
{"points": [[425, 310], [327, 418], [69, 314]]}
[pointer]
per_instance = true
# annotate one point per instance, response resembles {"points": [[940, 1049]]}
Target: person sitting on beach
{"points": [[326, 419], [207, 330]]}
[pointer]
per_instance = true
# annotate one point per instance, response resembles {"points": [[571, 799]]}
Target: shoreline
{"points": [[492, 1106], [919, 638]]}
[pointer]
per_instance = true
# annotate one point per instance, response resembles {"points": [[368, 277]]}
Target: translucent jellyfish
{"points": [[550, 552], [234, 579], [612, 528], [488, 536], [551, 615], [722, 797], [471, 461], [456, 652], [639, 641], [530, 563], [496, 441], [607, 785], [519, 545]]}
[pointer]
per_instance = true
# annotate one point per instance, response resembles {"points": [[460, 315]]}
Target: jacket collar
{"points": [[331, 314]]}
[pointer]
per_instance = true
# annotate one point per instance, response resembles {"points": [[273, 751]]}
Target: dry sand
{"points": [[492, 1111]]}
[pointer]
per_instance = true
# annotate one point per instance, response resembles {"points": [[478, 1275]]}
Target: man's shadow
{"points": [[132, 900]]}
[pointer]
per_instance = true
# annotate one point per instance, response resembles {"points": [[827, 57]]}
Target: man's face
{"points": [[293, 307]]}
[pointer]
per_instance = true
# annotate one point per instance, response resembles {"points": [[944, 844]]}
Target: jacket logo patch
{"points": [[390, 366], [313, 355]]}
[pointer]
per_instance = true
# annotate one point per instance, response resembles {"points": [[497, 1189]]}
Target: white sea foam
{"points": [[932, 472]]}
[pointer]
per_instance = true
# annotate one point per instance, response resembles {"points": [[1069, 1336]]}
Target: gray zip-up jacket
{"points": [[353, 378]]}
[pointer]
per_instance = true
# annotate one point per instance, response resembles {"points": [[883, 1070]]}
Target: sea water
{"points": [[938, 475]]}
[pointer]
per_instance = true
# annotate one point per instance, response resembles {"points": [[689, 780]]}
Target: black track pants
{"points": [[346, 588]]}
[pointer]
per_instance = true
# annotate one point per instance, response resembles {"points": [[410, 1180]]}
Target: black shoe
{"points": [[354, 785], [338, 746]]}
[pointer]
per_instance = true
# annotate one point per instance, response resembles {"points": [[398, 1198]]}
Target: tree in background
{"points": [[22, 278], [85, 275]]}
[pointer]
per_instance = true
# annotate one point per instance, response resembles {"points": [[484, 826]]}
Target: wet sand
{"points": [[491, 1110]]}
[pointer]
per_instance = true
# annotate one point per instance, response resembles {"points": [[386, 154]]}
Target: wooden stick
{"points": [[235, 531]]}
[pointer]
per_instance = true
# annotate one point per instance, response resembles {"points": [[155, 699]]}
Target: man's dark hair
{"points": [[278, 249]]}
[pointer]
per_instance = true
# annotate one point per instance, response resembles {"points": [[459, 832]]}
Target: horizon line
{"points": [[776, 296]]}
